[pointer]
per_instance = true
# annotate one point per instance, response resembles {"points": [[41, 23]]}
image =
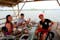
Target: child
{"points": [[24, 27], [15, 26]]}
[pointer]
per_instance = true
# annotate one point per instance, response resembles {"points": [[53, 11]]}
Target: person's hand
{"points": [[19, 24], [49, 28]]}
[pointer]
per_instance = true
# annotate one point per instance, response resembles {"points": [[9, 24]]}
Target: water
{"points": [[51, 14]]}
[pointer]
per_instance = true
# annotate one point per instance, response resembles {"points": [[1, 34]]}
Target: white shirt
{"points": [[20, 20]]}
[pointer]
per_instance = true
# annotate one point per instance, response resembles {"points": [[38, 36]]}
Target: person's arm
{"points": [[39, 26], [19, 24], [50, 26]]}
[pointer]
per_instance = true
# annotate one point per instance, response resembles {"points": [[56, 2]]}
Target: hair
{"points": [[7, 18], [22, 14]]}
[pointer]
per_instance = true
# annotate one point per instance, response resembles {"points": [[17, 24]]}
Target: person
{"points": [[20, 19], [1, 33], [9, 25], [25, 28], [44, 26], [14, 27], [28, 23]]}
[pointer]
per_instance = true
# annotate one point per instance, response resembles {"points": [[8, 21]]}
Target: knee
{"points": [[44, 35]]}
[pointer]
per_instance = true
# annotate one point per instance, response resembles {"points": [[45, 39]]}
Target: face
{"points": [[10, 18], [22, 17], [41, 17]]}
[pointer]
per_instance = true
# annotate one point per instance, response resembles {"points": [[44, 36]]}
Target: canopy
{"points": [[11, 3], [38, 5]]}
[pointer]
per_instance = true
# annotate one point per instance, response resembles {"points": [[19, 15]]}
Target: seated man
{"points": [[44, 26], [20, 20]]}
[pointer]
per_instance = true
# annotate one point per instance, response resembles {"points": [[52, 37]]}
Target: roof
{"points": [[9, 2], [38, 5]]}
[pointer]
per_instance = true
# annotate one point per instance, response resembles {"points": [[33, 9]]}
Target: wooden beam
{"points": [[8, 3], [58, 2]]}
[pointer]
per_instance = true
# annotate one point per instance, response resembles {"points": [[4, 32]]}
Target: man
{"points": [[44, 26], [21, 19]]}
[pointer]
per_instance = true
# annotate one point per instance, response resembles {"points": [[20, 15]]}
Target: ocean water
{"points": [[52, 14]]}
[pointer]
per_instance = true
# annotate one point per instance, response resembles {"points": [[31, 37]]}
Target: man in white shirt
{"points": [[21, 19]]}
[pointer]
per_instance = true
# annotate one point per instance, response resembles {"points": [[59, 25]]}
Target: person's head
{"points": [[22, 15], [8, 18], [15, 24], [41, 16]]}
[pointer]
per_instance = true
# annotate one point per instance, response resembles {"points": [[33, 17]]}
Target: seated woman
{"points": [[9, 25]]}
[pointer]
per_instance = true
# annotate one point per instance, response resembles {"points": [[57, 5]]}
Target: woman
{"points": [[9, 25]]}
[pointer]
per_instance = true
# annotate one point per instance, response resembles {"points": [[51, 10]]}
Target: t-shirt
{"points": [[20, 20], [45, 24]]}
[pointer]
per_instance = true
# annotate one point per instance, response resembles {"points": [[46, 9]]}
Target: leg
{"points": [[47, 36], [43, 36], [50, 35]]}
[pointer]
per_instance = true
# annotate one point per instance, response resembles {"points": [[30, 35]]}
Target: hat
{"points": [[41, 15]]}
